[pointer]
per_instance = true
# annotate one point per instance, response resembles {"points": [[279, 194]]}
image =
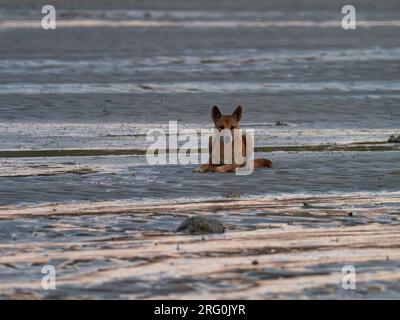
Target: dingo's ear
{"points": [[215, 113], [237, 114]]}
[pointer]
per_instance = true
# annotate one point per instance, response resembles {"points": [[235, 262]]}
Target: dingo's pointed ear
{"points": [[215, 113], [237, 114]]}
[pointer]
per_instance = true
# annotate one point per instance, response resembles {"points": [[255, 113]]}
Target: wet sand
{"points": [[77, 193], [273, 249], [280, 245]]}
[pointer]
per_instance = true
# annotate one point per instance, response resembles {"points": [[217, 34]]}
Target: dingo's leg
{"points": [[204, 168], [227, 168]]}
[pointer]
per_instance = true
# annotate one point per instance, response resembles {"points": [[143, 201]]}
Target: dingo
{"points": [[228, 122]]}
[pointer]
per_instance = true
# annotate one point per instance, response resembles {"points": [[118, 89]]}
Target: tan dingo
{"points": [[230, 122]]}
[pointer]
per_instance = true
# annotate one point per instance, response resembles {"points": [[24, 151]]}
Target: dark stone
{"points": [[394, 139], [232, 194], [306, 205], [201, 225]]}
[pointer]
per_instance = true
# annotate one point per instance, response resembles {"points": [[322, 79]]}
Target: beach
{"points": [[76, 189]]}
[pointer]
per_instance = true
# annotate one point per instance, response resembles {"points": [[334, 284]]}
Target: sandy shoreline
{"points": [[124, 207], [299, 252]]}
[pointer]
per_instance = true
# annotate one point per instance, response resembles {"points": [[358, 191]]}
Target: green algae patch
{"points": [[69, 153], [359, 146], [330, 148], [52, 172]]}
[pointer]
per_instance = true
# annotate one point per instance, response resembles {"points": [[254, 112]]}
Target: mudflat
{"points": [[76, 191]]}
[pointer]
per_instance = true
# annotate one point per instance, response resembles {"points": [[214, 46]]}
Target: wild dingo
{"points": [[228, 162]]}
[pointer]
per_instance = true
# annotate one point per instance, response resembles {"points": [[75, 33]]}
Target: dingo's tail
{"points": [[262, 163]]}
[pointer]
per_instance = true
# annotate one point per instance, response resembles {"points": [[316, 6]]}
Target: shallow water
{"points": [[104, 78], [131, 178]]}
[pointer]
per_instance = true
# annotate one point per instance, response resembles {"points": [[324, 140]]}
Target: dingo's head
{"points": [[230, 121]]}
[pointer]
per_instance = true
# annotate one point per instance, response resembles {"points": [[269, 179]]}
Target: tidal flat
{"points": [[76, 191]]}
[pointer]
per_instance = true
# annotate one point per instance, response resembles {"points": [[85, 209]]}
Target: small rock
{"points": [[307, 205], [394, 139], [147, 15], [254, 262], [281, 124], [201, 225], [350, 214], [232, 194]]}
